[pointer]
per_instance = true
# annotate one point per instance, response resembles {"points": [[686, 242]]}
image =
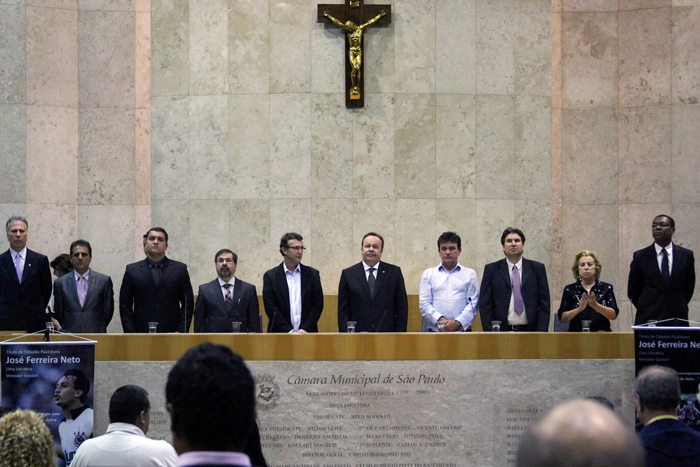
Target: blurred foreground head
{"points": [[25, 441]]}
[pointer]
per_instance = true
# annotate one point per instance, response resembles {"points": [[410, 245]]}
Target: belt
{"points": [[517, 327]]}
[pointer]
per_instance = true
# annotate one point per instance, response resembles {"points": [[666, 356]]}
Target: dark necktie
{"points": [[156, 275], [518, 305], [227, 298], [665, 270], [371, 280]]}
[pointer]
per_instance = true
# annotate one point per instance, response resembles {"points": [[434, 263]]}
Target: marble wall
{"points": [[224, 122]]}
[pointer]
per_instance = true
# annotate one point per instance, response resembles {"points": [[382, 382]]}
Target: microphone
{"points": [[271, 324], [472, 305], [381, 321]]}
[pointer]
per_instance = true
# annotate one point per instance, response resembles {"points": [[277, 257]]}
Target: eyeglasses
{"points": [[296, 248]]}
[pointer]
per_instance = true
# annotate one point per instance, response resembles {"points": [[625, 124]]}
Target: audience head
{"points": [[25, 440], [583, 254], [580, 433], [210, 395], [657, 391], [61, 265], [130, 404], [602, 400]]}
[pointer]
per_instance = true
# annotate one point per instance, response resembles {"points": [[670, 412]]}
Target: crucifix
{"points": [[354, 17]]}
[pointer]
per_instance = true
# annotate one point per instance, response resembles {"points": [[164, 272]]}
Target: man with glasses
{"points": [[662, 277], [292, 292]]}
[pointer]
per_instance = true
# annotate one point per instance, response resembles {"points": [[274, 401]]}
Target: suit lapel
{"points": [[235, 298], [167, 270], [147, 274], [28, 261], [527, 272], [9, 266], [72, 286], [92, 285], [505, 273], [677, 261], [284, 288]]}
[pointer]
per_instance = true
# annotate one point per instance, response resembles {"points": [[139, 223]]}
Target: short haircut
{"points": [[449, 237], [658, 388], [14, 219], [512, 230], [62, 263], [284, 241], [671, 222], [211, 397], [226, 250], [80, 242], [372, 234], [596, 261], [156, 229], [25, 440], [127, 403], [80, 382]]}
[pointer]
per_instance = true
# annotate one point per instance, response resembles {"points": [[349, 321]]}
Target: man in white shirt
{"points": [[449, 293], [125, 443]]}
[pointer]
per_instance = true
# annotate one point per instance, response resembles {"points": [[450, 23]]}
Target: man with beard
{"points": [[226, 300]]}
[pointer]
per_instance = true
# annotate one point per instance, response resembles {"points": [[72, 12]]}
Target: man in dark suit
{"points": [[25, 282], [514, 290], [226, 299], [292, 292], [667, 441], [83, 299], [662, 277], [156, 289], [372, 293]]}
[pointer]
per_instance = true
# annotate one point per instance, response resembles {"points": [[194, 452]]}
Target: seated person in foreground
{"points": [[25, 441]]}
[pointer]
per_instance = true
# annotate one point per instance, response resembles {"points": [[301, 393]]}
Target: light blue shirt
{"points": [[454, 295]]}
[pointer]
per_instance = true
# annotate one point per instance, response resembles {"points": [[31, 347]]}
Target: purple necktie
{"points": [[82, 290], [227, 298], [18, 267], [517, 293]]}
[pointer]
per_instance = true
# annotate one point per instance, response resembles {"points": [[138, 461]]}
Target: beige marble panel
{"points": [[52, 154], [534, 218], [645, 57], [533, 48], [249, 145], [685, 2], [51, 227], [589, 60], [331, 240], [415, 237], [290, 146], [249, 227], [106, 5], [12, 53], [589, 5], [414, 141], [492, 217], [13, 159], [589, 156], [170, 47], [556, 6], [170, 146], [209, 35], [142, 157], [455, 46], [328, 57], [414, 39], [59, 4], [495, 48], [687, 225], [8, 210], [645, 154], [380, 55], [373, 215], [533, 148], [457, 215], [684, 159], [556, 248], [249, 47], [288, 215], [373, 148], [686, 55], [331, 147], [174, 216], [209, 232], [52, 57], [625, 5], [290, 60], [142, 222], [142, 6], [494, 142], [455, 145], [142, 60], [106, 169], [625, 320], [556, 60], [209, 173]]}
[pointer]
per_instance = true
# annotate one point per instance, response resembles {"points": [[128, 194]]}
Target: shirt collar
{"points": [[456, 268], [297, 269], [366, 266], [22, 252], [662, 417], [668, 248], [519, 264], [159, 264], [223, 282], [77, 275]]}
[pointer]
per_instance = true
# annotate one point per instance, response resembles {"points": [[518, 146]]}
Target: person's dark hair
{"points": [[127, 403], [80, 382], [81, 242], [13, 219], [61, 263], [156, 229], [658, 388], [211, 397], [226, 250], [284, 241], [372, 234], [671, 222], [449, 237], [512, 230], [603, 400]]}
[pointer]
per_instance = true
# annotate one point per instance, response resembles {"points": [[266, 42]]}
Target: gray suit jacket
{"points": [[212, 314], [95, 314]]}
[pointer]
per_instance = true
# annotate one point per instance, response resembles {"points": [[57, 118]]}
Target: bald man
{"points": [[580, 433]]}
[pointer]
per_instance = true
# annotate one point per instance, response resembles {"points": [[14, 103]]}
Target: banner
{"points": [[55, 379]]}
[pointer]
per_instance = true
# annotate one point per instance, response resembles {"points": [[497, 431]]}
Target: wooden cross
{"points": [[354, 17]]}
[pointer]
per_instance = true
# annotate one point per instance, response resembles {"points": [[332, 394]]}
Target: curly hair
{"points": [[25, 440]]}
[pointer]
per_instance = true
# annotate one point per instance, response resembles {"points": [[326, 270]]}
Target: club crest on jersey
{"points": [[79, 438]]}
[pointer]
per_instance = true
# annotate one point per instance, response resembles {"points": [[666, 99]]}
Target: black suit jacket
{"points": [[97, 311], [670, 443], [213, 314], [496, 289], [386, 311], [649, 295], [276, 299], [170, 304], [23, 306]]}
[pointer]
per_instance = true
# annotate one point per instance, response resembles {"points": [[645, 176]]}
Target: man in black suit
{"points": [[662, 277], [514, 290], [292, 292], [25, 282], [226, 299], [83, 299], [372, 293], [156, 289]]}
